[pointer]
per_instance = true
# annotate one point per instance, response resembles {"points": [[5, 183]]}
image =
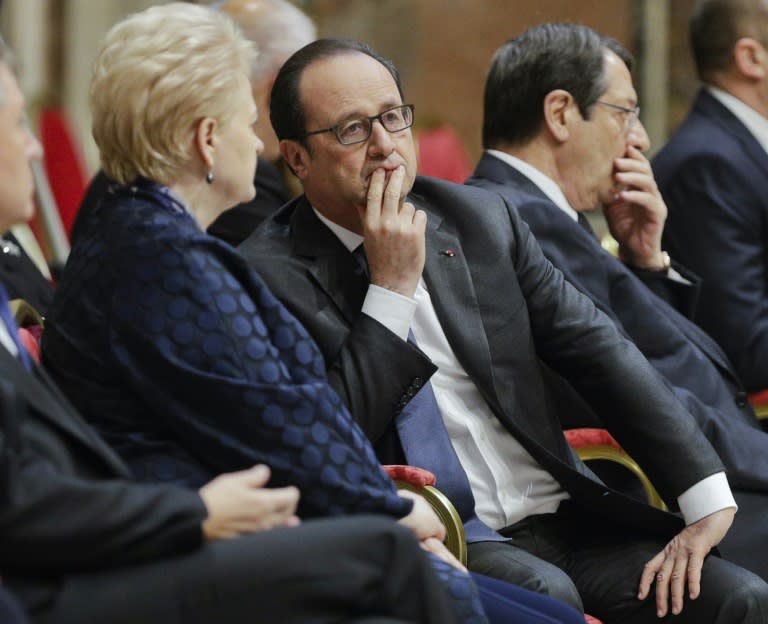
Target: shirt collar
{"points": [[349, 239], [545, 184], [752, 120]]}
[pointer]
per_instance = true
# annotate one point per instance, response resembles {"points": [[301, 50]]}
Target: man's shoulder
{"points": [[274, 234]]}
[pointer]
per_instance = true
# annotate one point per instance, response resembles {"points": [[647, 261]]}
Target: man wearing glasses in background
{"points": [[554, 165]]}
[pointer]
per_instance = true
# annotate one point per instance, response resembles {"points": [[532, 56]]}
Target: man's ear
{"points": [[559, 108], [296, 156], [750, 58], [206, 141]]}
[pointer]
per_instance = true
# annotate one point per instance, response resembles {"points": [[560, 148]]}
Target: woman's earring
{"points": [[209, 177]]}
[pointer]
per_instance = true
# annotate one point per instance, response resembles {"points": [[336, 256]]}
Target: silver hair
{"points": [[278, 31]]}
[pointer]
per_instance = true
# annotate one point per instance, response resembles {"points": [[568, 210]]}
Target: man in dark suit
{"points": [[488, 307], [278, 28], [80, 542], [541, 175], [713, 175]]}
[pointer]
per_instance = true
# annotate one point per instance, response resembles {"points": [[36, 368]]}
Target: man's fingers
{"points": [[693, 574], [677, 584], [649, 575], [375, 196], [391, 204]]}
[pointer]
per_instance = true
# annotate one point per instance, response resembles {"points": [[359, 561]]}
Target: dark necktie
{"points": [[426, 444], [13, 331]]}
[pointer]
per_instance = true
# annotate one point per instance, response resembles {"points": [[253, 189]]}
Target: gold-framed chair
{"points": [[597, 444]]}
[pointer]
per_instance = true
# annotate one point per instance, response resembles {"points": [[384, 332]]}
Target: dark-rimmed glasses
{"points": [[358, 130], [631, 114]]}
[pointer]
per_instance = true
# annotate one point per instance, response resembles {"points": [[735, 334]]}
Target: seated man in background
{"points": [[278, 28], [713, 175], [347, 258], [554, 168], [80, 542]]}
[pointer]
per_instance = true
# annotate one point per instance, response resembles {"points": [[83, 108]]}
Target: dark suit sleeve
{"points": [[583, 345], [353, 344], [355, 372], [718, 226], [683, 296], [57, 522]]}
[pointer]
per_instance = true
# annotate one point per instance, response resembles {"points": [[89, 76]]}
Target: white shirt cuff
{"points": [[676, 277], [391, 309], [705, 498]]}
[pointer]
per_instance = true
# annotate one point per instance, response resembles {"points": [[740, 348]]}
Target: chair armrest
{"points": [[759, 401], [24, 314], [592, 444], [422, 482]]}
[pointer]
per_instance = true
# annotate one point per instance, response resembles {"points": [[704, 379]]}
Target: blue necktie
{"points": [[13, 330], [426, 444]]}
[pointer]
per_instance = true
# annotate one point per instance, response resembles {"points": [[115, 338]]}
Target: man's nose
{"points": [[638, 137], [380, 141]]}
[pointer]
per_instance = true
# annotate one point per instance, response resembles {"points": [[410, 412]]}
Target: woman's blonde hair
{"points": [[159, 73]]}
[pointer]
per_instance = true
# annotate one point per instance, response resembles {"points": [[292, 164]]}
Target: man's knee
{"points": [[748, 604], [506, 562]]}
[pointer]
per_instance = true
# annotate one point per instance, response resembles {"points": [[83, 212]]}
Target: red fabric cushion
{"points": [[759, 398], [30, 342], [579, 438], [418, 477]]}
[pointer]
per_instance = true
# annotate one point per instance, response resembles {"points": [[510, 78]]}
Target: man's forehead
{"points": [[346, 74], [618, 80]]}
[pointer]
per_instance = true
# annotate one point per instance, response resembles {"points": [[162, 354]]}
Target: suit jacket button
{"points": [[741, 399]]}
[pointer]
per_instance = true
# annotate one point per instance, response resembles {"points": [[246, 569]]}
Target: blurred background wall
{"points": [[442, 48]]}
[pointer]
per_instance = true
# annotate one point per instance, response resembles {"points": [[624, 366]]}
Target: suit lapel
{"points": [[42, 396], [498, 171], [453, 295], [711, 108], [329, 264]]}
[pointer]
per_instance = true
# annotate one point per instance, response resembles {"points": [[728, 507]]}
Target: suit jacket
{"points": [[502, 306], [22, 278], [182, 359], [70, 492], [237, 223], [713, 175], [693, 364]]}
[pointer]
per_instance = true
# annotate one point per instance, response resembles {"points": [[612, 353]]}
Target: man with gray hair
{"points": [[278, 28]]}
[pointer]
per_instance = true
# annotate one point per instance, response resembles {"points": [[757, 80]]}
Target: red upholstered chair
{"points": [[30, 325], [423, 482], [63, 162], [592, 444]]}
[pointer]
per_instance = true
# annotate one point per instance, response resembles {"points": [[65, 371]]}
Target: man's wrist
{"points": [[661, 264]]}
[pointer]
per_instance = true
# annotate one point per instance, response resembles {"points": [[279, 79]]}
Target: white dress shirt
{"points": [[507, 482]]}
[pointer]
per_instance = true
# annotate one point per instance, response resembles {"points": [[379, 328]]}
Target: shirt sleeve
{"points": [[705, 498], [391, 309]]}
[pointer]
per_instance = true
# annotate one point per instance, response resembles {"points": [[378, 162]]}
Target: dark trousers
{"points": [[358, 569], [10, 611], [596, 566]]}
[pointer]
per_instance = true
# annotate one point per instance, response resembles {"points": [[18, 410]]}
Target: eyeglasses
{"points": [[631, 114], [359, 130]]}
